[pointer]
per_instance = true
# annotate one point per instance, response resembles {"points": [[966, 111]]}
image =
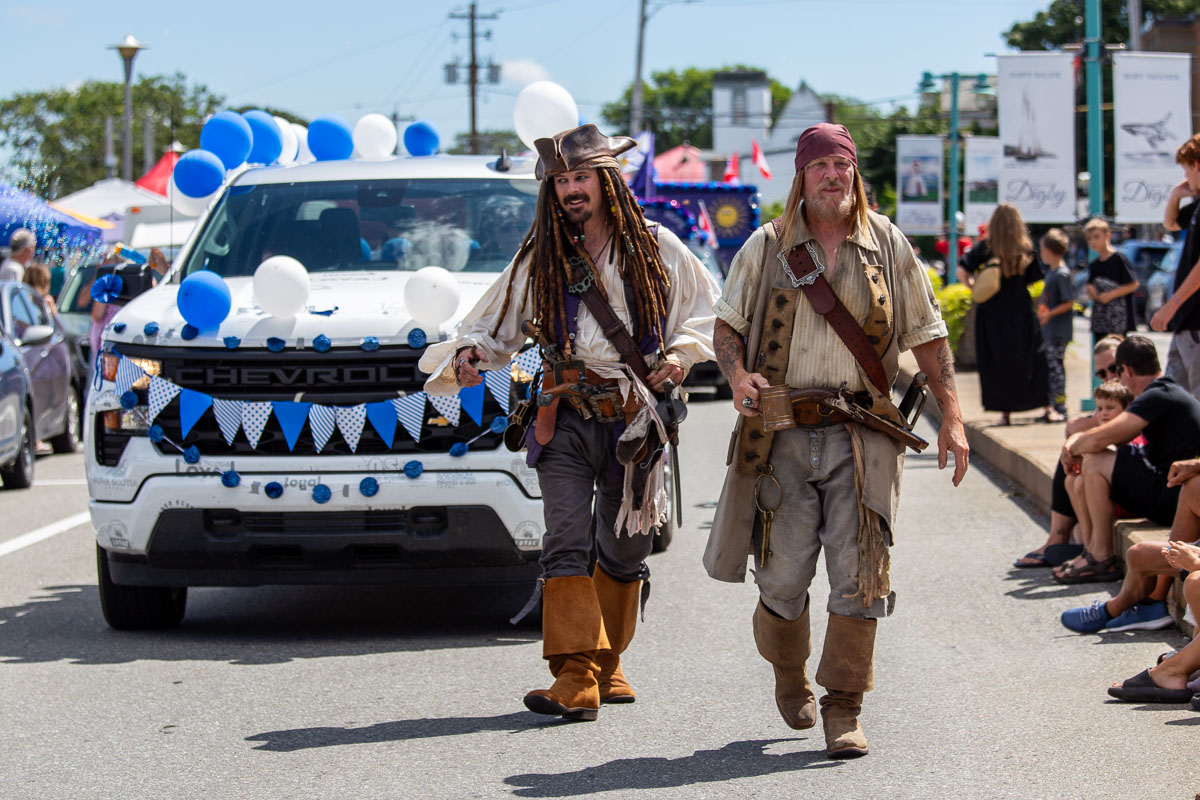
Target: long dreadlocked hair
{"points": [[551, 241]]}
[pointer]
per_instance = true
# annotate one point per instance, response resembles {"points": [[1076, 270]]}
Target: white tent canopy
{"points": [[109, 198]]}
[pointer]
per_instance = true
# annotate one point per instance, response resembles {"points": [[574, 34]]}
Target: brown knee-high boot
{"points": [[619, 608], [846, 671], [787, 645], [572, 632]]}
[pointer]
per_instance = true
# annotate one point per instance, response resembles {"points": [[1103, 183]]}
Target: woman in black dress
{"points": [[1011, 356]]}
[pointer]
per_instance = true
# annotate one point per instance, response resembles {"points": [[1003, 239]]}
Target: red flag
{"points": [[760, 160], [731, 169], [705, 224]]}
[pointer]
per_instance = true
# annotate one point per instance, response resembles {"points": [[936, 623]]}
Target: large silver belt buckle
{"points": [[809, 278]]}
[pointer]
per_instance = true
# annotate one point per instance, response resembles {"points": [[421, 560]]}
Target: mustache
{"points": [[575, 196]]}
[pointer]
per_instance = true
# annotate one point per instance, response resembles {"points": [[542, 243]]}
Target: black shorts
{"points": [[1060, 501], [1140, 489]]}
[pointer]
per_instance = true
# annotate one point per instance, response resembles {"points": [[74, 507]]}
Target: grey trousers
{"points": [[582, 483], [819, 509], [1183, 361]]}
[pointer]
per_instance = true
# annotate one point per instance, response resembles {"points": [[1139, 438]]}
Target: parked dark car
{"points": [[45, 403], [1161, 284], [75, 310]]}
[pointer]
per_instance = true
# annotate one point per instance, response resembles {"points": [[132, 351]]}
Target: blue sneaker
{"points": [[1086, 619], [1142, 617]]}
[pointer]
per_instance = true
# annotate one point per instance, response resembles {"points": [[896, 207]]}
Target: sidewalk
{"points": [[1027, 451]]}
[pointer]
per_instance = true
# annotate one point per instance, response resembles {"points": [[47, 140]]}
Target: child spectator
{"points": [[37, 276], [1055, 316], [1111, 283]]}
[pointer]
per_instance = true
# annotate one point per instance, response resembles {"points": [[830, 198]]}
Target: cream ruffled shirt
{"points": [[688, 333]]}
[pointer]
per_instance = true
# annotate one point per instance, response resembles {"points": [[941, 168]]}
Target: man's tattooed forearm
{"points": [[730, 349], [945, 376]]}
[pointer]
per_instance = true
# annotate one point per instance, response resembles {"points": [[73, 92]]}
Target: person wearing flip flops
{"points": [[1133, 477], [1176, 676]]}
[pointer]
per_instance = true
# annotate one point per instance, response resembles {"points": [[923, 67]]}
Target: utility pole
{"points": [[1134, 7], [635, 110], [473, 68]]}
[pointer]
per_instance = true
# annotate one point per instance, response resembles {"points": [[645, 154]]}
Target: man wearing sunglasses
{"points": [[1134, 477]]}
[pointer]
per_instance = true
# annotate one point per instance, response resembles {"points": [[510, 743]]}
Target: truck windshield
{"points": [[459, 224]]}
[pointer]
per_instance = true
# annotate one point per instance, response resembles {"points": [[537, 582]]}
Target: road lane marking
{"points": [[43, 533]]}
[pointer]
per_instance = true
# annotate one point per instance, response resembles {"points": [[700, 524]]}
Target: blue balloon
{"points": [[267, 140], [199, 173], [204, 299], [227, 135], [330, 138], [421, 139]]}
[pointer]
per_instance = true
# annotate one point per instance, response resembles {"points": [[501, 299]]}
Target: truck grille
{"points": [[339, 377]]}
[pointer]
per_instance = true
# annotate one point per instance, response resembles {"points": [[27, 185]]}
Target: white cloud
{"points": [[522, 71], [37, 16]]}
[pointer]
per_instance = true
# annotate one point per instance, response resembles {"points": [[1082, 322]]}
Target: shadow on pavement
{"points": [[1037, 584], [747, 759], [267, 625], [401, 730]]}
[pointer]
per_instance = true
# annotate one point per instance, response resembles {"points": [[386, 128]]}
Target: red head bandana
{"points": [[823, 140]]}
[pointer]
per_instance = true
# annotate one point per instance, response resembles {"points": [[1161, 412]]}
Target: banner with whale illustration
{"points": [[1035, 105], [1152, 117]]}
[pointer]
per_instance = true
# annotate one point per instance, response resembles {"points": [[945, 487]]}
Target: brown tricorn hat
{"points": [[584, 147]]}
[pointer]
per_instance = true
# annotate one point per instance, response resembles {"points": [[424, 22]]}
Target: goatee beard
{"points": [[829, 211], [579, 216]]}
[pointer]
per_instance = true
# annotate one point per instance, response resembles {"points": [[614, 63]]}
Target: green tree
{"points": [[56, 137], [678, 106], [1062, 22], [274, 112], [490, 142]]}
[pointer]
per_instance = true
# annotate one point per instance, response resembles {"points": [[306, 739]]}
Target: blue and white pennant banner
{"points": [[229, 417]]}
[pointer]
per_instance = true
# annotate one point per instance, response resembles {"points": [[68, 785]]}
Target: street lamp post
{"points": [[981, 87], [128, 48]]}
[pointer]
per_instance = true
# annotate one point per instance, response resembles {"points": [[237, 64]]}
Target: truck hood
{"points": [[362, 303]]}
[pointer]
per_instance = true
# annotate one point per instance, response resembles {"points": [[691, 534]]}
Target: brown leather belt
{"points": [[811, 414], [602, 401], [784, 407]]}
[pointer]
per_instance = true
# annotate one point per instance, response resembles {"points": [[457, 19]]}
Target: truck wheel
{"points": [[68, 440], [19, 474], [135, 608]]}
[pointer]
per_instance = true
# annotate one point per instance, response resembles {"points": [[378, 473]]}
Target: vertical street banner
{"points": [[981, 181], [919, 184], [1152, 118], [1035, 104]]}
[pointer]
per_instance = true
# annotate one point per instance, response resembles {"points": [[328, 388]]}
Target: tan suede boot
{"points": [[619, 608], [786, 644], [572, 632], [847, 670]]}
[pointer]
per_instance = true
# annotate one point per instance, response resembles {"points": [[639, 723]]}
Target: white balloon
{"points": [[375, 137], [303, 154], [281, 286], [542, 109], [187, 206], [431, 297], [287, 136]]}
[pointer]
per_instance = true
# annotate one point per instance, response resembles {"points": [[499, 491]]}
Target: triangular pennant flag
{"points": [[128, 373], [410, 410], [471, 400], [162, 392], [254, 420], [529, 361], [321, 420], [448, 406], [192, 405], [499, 383], [291, 418], [350, 421], [383, 420], [229, 418]]}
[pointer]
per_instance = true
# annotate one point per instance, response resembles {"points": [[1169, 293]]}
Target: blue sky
{"points": [[357, 56]]}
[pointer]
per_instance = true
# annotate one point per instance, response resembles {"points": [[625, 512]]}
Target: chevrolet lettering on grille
{"points": [[294, 377]]}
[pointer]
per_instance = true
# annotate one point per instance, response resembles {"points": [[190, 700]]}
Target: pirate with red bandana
{"points": [[818, 305]]}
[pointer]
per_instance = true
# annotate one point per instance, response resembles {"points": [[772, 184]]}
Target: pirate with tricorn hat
{"points": [[621, 311]]}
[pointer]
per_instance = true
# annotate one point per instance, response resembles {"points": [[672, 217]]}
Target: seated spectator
{"points": [[1133, 477], [1057, 549]]}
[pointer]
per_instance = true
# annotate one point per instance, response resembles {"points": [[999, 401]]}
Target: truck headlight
{"points": [[150, 366]]}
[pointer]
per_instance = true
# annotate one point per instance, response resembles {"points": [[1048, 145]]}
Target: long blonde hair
{"points": [[796, 194], [1008, 240]]}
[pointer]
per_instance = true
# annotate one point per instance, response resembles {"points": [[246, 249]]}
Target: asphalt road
{"points": [[368, 692]]}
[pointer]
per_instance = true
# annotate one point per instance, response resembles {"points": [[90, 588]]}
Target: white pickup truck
{"points": [[172, 510]]}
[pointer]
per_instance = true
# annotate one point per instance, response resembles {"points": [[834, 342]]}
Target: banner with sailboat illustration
{"points": [[1152, 118], [1035, 105]]}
